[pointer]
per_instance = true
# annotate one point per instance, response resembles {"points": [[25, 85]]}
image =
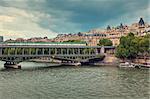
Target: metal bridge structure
{"points": [[14, 53]]}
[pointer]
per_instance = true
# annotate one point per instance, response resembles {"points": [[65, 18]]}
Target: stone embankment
{"points": [[111, 60]]}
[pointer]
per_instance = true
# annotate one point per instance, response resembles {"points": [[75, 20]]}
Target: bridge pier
{"points": [[10, 64]]}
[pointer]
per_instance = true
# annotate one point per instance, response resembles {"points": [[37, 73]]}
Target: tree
{"points": [[75, 41], [105, 42], [144, 47], [130, 47], [127, 48]]}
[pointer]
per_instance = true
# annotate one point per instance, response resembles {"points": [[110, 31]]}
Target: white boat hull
{"points": [[126, 65], [71, 64], [15, 66]]}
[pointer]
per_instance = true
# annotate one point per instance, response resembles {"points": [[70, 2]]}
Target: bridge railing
{"points": [[45, 51]]}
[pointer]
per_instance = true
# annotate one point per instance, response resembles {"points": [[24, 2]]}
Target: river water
{"points": [[38, 81]]}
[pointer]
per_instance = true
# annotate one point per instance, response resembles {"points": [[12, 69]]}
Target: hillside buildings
{"points": [[93, 36], [35, 39]]}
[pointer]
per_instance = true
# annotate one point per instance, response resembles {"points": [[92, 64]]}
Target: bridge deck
{"points": [[16, 52]]}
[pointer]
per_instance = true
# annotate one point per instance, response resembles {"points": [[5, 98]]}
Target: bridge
{"points": [[13, 53]]}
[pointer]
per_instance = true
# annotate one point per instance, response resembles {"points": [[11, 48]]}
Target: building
{"points": [[93, 36], [35, 39], [140, 28]]}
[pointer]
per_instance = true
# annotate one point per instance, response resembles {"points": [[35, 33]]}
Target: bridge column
{"points": [[49, 52], [29, 51], [36, 51], [61, 51], [73, 51], [55, 51], [43, 51], [15, 51], [67, 51], [102, 50], [88, 51], [96, 51], [0, 51], [23, 51], [78, 50]]}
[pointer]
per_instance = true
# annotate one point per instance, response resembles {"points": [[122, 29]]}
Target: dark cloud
{"points": [[80, 15], [92, 13]]}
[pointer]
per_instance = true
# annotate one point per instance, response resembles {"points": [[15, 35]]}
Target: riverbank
{"points": [[109, 60]]}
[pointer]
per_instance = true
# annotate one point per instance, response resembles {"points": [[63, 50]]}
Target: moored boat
{"points": [[144, 65], [127, 65], [71, 64], [14, 66], [133, 65]]}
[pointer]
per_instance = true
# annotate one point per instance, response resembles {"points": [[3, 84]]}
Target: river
{"points": [[39, 81]]}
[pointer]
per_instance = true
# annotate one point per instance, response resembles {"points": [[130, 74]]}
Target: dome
{"points": [[121, 25], [141, 22], [108, 27]]}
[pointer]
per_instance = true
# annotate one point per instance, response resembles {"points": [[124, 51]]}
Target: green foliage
{"points": [[75, 41], [105, 42], [130, 46]]}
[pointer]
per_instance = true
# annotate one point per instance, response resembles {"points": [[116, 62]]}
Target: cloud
{"points": [[20, 23], [68, 16], [129, 18], [4, 18]]}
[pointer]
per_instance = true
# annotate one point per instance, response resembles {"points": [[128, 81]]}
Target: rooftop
{"points": [[141, 22]]}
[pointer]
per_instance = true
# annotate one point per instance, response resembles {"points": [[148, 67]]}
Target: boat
{"points": [[14, 66], [144, 65], [71, 64], [127, 65]]}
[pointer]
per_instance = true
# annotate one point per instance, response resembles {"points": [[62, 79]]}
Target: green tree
{"points": [[105, 42], [126, 49], [144, 47], [131, 47], [75, 41]]}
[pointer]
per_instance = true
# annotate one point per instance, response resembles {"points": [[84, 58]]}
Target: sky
{"points": [[40, 18]]}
